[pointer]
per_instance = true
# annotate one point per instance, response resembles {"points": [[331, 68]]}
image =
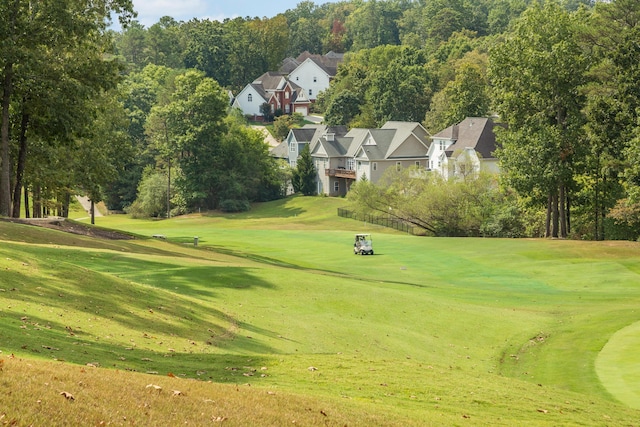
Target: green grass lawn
{"points": [[428, 331]]}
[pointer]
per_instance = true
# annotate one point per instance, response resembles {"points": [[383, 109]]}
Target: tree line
{"points": [[139, 117], [564, 81]]}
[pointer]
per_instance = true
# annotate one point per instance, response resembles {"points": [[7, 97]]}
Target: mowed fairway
{"points": [[429, 331]]}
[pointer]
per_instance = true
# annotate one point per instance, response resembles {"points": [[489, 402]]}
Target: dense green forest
{"points": [[130, 116]]}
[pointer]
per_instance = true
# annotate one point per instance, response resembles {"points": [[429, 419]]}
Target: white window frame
{"points": [[336, 186], [292, 148], [250, 98], [398, 166], [374, 165]]}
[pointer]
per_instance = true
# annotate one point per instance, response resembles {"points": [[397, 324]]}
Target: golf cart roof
{"points": [[363, 234]]}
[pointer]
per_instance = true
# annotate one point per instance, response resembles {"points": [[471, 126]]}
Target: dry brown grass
{"points": [[56, 394]]}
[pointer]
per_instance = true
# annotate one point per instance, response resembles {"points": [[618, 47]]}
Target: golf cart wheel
{"points": [[370, 252]]}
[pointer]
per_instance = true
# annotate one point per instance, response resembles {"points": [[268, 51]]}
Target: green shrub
{"points": [[233, 205]]}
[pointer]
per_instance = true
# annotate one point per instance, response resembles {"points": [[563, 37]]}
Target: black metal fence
{"points": [[384, 221]]}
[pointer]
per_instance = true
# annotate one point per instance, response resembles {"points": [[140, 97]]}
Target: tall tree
{"points": [[304, 175], [39, 39], [536, 73]]}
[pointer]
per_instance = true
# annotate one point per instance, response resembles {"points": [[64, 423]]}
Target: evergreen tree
{"points": [[304, 175]]}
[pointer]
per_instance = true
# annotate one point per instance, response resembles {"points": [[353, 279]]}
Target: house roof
{"points": [[280, 151], [328, 63], [271, 81], [305, 134], [334, 141], [384, 143], [472, 132]]}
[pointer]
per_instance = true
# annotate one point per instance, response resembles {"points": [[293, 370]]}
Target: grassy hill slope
{"points": [[272, 305]]}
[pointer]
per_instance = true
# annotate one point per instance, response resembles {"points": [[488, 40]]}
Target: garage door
{"points": [[302, 110]]}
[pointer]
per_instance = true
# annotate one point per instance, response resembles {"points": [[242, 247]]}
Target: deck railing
{"points": [[340, 173]]}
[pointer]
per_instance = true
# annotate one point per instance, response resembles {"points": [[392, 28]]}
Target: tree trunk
{"points": [[169, 191], [568, 212], [22, 159], [37, 202], [555, 218], [547, 232], [66, 201], [93, 212], [5, 168], [27, 214], [562, 212]]}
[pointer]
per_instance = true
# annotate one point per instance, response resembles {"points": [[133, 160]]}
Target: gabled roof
{"points": [[473, 132], [280, 151], [271, 81], [333, 140], [386, 142], [305, 134], [328, 63]]}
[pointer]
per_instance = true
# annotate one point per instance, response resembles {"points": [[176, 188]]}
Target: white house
{"points": [[250, 99], [465, 148], [276, 90], [313, 72]]}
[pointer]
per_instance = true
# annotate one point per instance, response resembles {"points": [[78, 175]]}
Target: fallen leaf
{"points": [[544, 411], [155, 387], [311, 368], [177, 393]]}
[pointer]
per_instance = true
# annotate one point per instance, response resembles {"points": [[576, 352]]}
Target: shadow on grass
{"points": [[55, 343], [64, 296]]}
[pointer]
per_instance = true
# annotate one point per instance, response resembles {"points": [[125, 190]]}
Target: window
{"points": [[297, 78], [292, 148], [351, 164], [441, 145], [250, 98], [375, 166], [336, 187], [417, 164], [398, 166], [310, 92], [286, 95], [294, 163], [315, 79]]}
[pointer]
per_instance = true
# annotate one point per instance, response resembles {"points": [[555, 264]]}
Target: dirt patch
{"points": [[73, 227]]}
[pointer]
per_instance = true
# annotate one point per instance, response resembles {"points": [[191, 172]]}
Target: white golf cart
{"points": [[363, 245]]}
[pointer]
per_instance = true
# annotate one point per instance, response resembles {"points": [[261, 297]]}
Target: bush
{"points": [[233, 205], [152, 196]]}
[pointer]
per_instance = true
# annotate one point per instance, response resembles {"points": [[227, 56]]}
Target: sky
{"points": [[150, 11]]}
